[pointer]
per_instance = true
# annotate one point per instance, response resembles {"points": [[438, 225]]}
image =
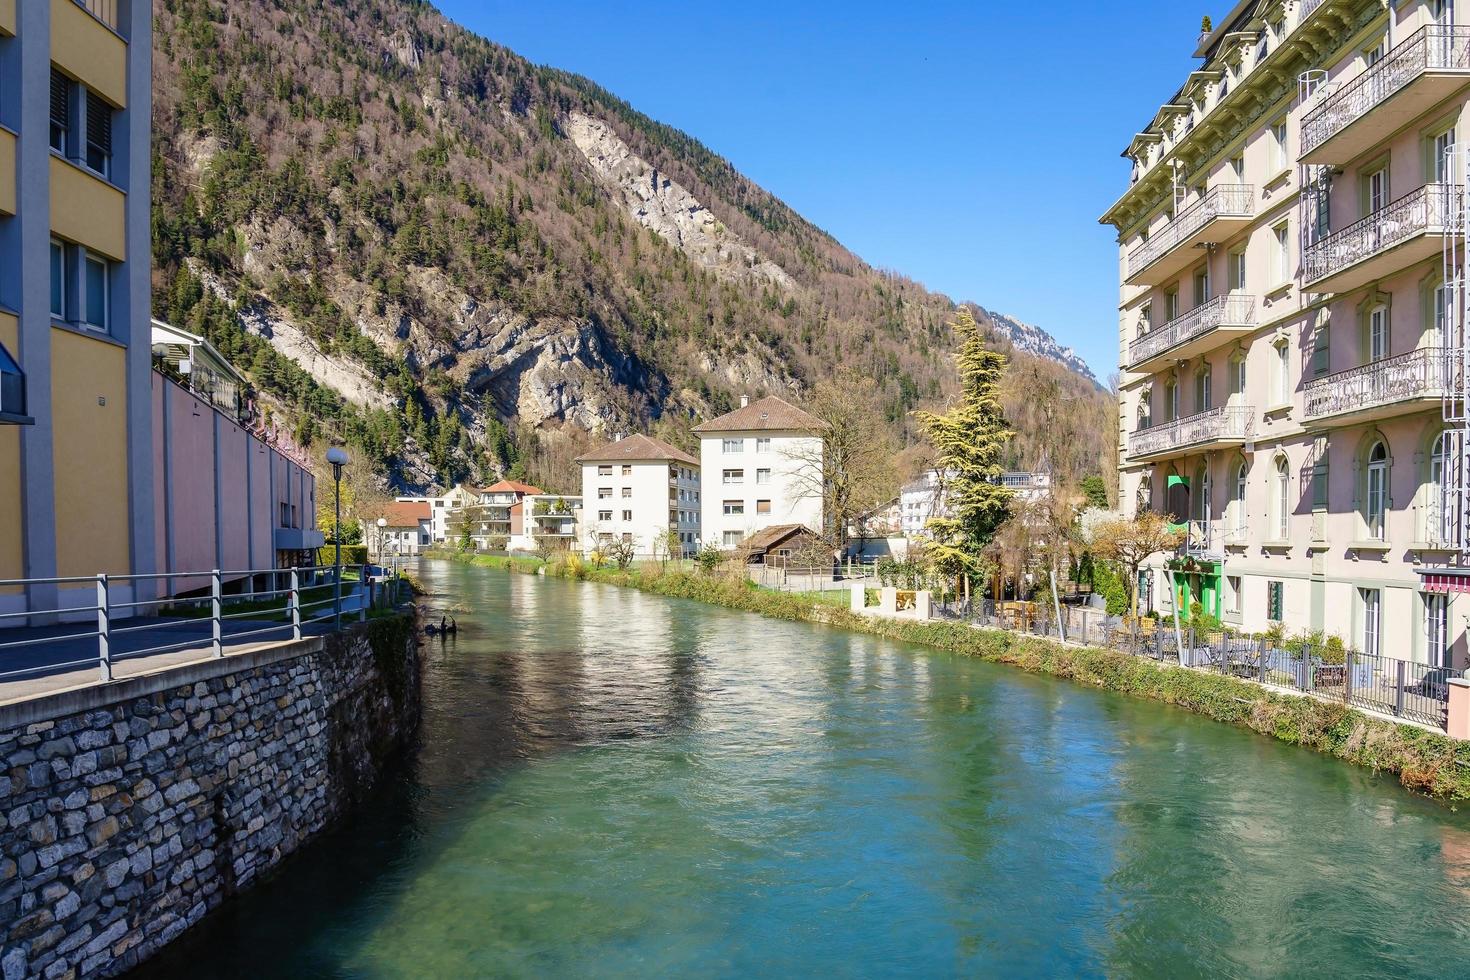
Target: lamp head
{"points": [[337, 456], [382, 522]]}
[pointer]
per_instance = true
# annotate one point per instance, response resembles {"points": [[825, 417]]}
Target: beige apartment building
{"points": [[1291, 323]]}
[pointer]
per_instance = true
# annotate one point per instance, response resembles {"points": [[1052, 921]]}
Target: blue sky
{"points": [[970, 145]]}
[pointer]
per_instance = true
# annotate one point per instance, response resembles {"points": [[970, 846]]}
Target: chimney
{"points": [[744, 401]]}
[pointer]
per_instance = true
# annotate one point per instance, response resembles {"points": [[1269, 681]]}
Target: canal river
{"points": [[612, 783]]}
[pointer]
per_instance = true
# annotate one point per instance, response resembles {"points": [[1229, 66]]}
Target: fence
{"points": [[820, 578], [1402, 688], [65, 624]]}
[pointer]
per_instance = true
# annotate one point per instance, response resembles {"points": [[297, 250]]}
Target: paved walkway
{"points": [[61, 657]]}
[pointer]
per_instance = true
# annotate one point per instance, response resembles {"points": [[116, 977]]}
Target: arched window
{"points": [[1238, 499], [1376, 508], [1435, 525], [1283, 500], [1377, 333], [1283, 373], [1200, 499]]}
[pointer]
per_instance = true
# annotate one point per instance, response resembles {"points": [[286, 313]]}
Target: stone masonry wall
{"points": [[128, 811]]}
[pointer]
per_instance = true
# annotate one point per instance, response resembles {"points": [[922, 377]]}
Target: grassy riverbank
{"points": [[1424, 761]]}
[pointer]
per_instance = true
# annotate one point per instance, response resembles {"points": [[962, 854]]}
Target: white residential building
{"points": [[638, 489], [924, 497], [550, 519], [762, 465]]}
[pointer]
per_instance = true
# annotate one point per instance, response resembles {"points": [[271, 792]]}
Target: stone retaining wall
{"points": [[130, 810]]}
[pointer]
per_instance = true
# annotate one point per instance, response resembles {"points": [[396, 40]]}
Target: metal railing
{"points": [[1225, 422], [1308, 8], [1422, 373], [64, 624], [1388, 685], [1428, 209], [1233, 309], [1210, 538], [1429, 48], [103, 10], [1237, 200]]}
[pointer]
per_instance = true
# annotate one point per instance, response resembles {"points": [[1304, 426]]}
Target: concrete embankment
{"points": [[129, 810]]}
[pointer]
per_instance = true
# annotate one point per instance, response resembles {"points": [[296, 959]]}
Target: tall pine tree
{"points": [[969, 442]]}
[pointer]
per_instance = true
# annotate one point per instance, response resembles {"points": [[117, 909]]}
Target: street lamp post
{"points": [[337, 456]]}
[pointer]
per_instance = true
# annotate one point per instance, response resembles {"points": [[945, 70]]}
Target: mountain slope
{"points": [[413, 239]]}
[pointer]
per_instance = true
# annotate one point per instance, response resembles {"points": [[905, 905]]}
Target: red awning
{"points": [[1454, 582]]}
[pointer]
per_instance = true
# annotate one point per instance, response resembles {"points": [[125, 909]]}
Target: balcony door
{"points": [[1372, 630], [1376, 188], [1202, 285], [1377, 334]]}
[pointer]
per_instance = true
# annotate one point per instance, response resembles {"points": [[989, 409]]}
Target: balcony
{"points": [[1207, 540], [1422, 71], [1214, 428], [1398, 385], [1222, 212], [103, 10], [1396, 236], [1202, 328]]}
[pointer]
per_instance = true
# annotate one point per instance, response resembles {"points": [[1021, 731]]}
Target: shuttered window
{"points": [[60, 109], [99, 135]]}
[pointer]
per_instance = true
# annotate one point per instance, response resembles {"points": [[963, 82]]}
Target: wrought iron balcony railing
{"points": [[1431, 208], [1210, 538], [1238, 309], [1228, 422], [1422, 373], [1427, 49], [1224, 199]]}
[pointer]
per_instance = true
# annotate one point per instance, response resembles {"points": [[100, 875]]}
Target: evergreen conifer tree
{"points": [[969, 442]]}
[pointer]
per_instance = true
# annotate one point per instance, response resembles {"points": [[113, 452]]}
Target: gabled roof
{"points": [[768, 537], [403, 513], [512, 486], [639, 448], [767, 413]]}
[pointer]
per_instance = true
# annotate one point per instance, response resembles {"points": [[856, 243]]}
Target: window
{"points": [[763, 444], [1283, 373], [58, 279], [61, 89], [732, 539], [99, 135], [1203, 401], [1373, 55], [1377, 333], [604, 515], [1370, 602], [1274, 600], [762, 477], [604, 493], [734, 508], [728, 446], [1375, 190], [733, 476], [1236, 269], [1441, 162], [1435, 526], [627, 492], [1171, 304], [1319, 485], [627, 469], [1171, 400], [762, 506], [1377, 497], [1232, 594], [1201, 285], [627, 515], [12, 385], [1440, 311], [1282, 257], [1321, 356], [1239, 497], [604, 471], [1276, 142], [1237, 374], [98, 276], [1283, 500], [1237, 167], [1437, 629]]}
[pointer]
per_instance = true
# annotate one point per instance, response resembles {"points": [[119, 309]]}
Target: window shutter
{"points": [[60, 98], [99, 124]]}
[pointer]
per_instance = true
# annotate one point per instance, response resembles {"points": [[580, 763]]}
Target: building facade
{"points": [[762, 466], [405, 531], [639, 489], [76, 437], [1286, 334]]}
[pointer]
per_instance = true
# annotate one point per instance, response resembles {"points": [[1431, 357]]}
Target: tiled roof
{"points": [[512, 486], [768, 537], [639, 448], [406, 514], [767, 413]]}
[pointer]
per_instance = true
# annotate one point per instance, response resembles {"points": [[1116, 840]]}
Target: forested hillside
{"points": [[463, 264]]}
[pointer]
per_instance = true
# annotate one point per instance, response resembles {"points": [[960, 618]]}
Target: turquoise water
{"points": [[616, 784]]}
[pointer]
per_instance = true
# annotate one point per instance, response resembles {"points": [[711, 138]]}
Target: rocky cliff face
{"points": [[1035, 341], [414, 240]]}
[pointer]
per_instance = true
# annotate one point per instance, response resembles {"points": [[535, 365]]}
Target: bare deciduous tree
{"points": [[1131, 543]]}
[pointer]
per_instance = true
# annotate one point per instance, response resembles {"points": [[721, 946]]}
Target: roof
{"points": [[767, 413], [768, 537], [403, 513], [640, 448], [512, 486]]}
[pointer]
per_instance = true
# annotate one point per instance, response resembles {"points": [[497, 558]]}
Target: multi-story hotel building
{"points": [[763, 467], [639, 489], [1290, 352], [76, 427]]}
